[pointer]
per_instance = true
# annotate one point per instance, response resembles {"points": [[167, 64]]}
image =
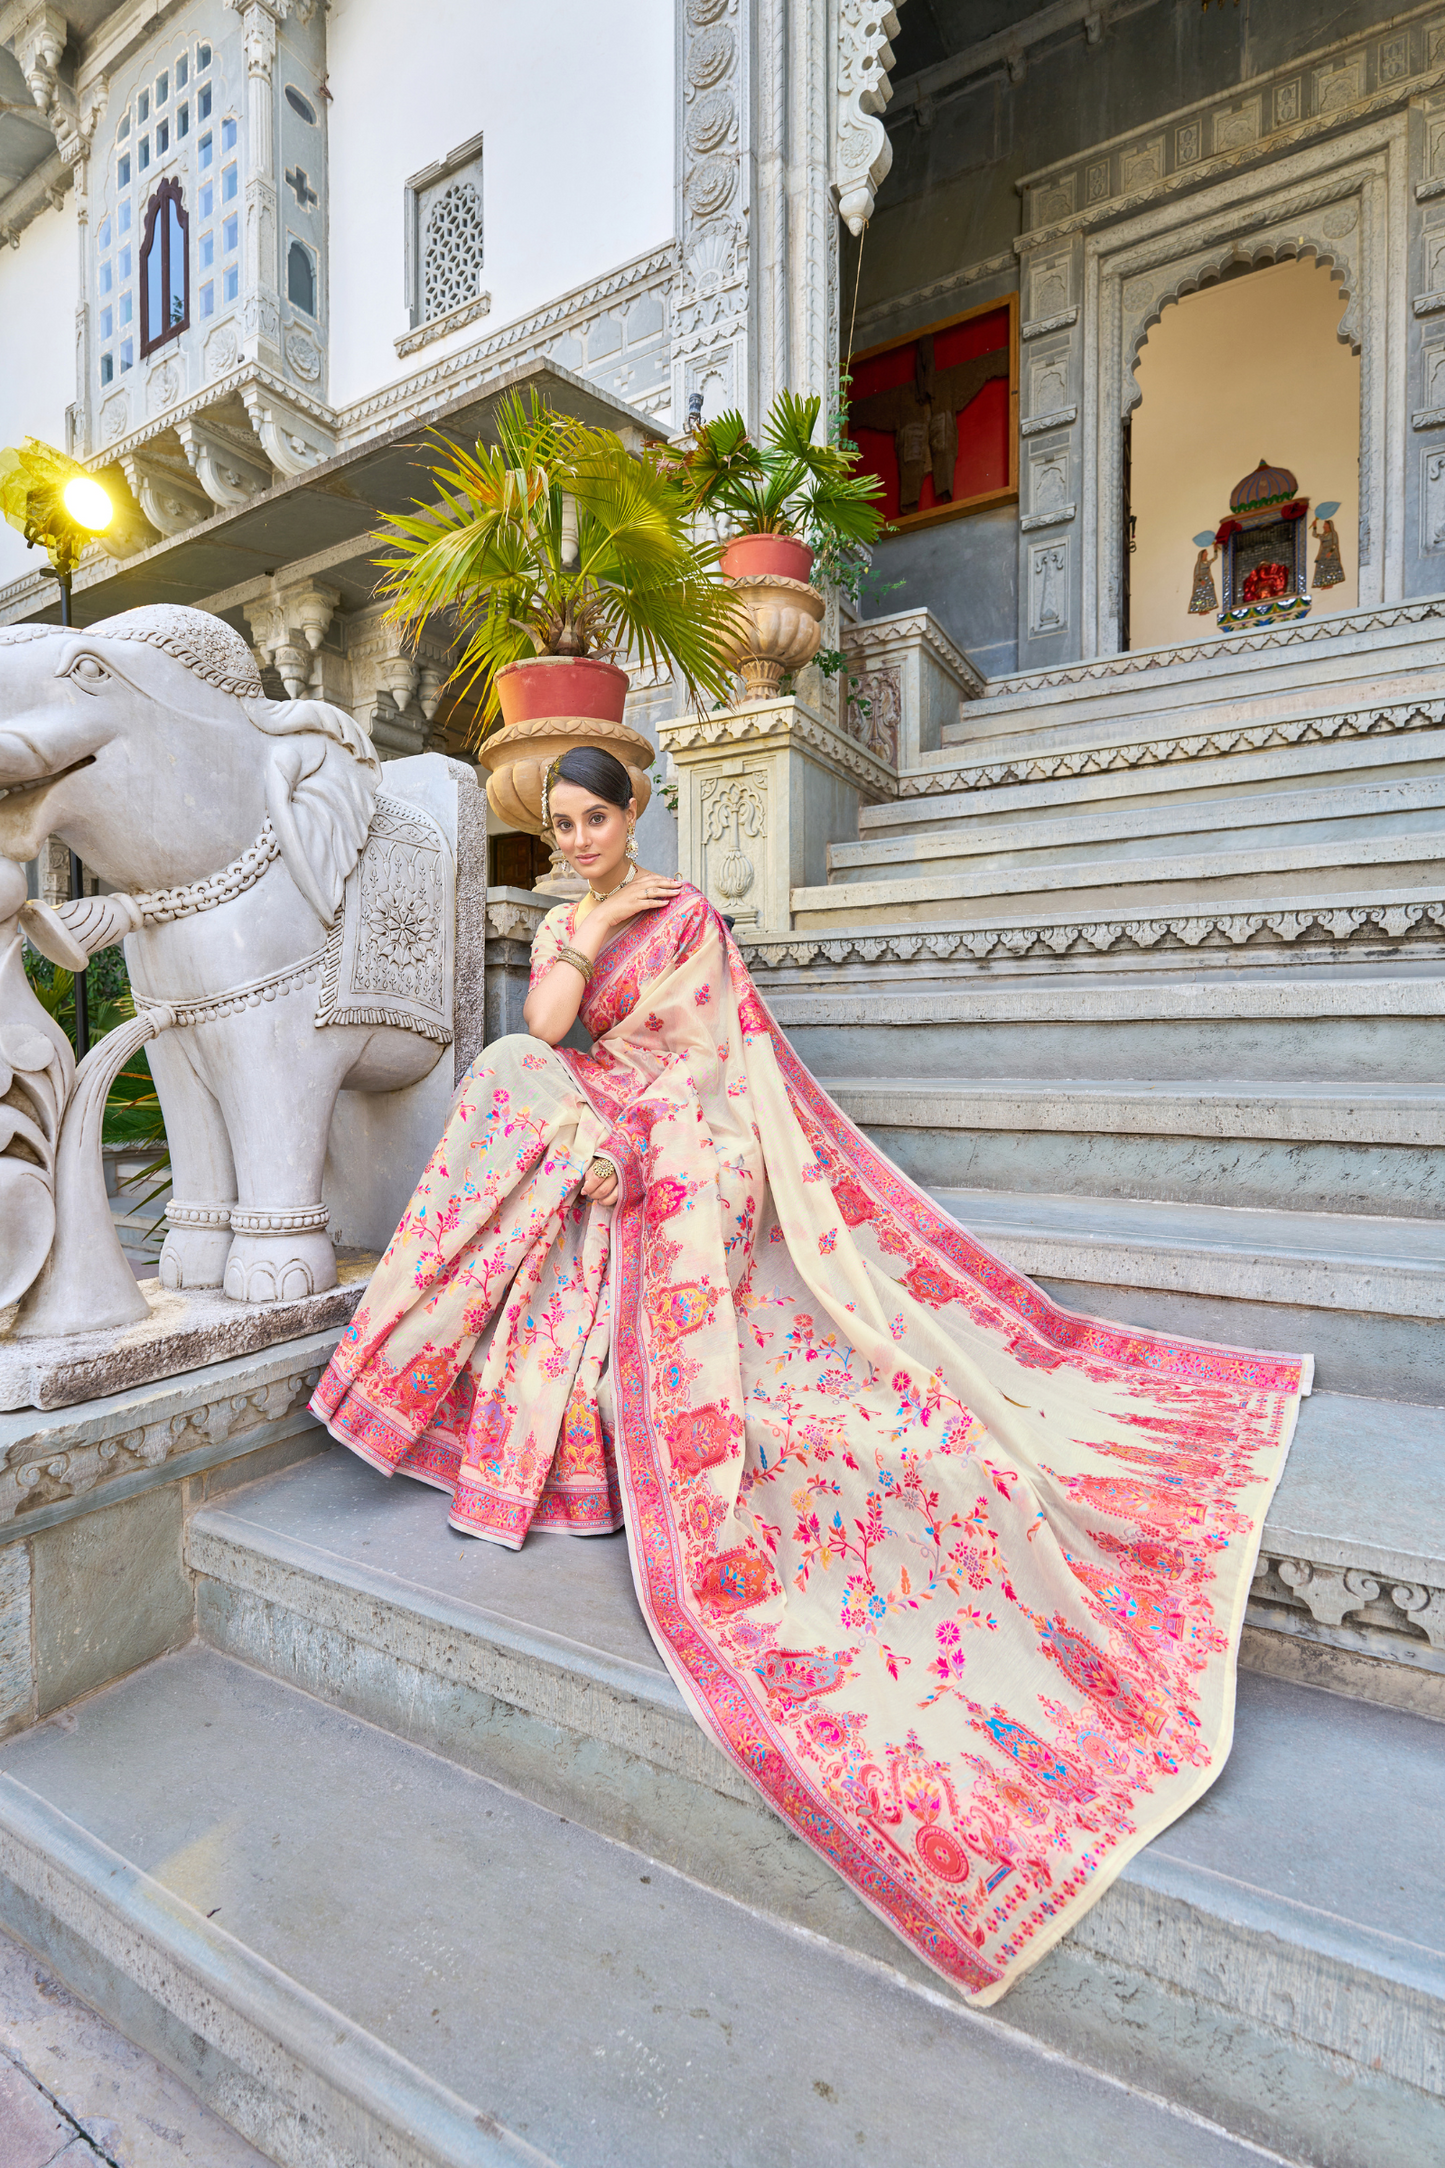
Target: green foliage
{"points": [[559, 541], [788, 484]]}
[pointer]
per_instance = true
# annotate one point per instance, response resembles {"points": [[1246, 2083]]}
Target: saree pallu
{"points": [[955, 1576]]}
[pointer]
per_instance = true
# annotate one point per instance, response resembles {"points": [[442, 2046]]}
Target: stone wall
{"points": [[1103, 174]]}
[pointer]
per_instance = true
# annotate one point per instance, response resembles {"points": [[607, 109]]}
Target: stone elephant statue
{"points": [[287, 926]]}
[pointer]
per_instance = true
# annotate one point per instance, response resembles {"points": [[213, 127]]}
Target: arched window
{"points": [[301, 278], [165, 269]]}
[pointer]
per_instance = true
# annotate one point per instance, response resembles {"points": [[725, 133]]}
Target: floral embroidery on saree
{"points": [[954, 1575]]}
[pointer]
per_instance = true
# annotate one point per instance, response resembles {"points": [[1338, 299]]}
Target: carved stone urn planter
{"points": [[551, 705], [779, 621]]}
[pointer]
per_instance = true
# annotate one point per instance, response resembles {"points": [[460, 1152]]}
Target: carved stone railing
{"points": [[763, 790], [905, 681]]}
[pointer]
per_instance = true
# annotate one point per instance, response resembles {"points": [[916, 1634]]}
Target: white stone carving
{"points": [[227, 471], [302, 355], [1048, 588], [166, 492], [36, 1074], [732, 810], [1096, 181], [452, 250], [1188, 143], [1048, 286], [1187, 931], [1340, 85], [228, 940], [389, 956], [1236, 130], [865, 59], [291, 438], [222, 349], [875, 712], [1432, 501], [1141, 165], [1286, 104]]}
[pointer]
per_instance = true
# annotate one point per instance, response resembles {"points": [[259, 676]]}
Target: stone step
{"points": [[371, 1955], [1345, 872], [886, 1019], [1279, 1916], [978, 838], [1124, 771], [1364, 1295], [1320, 1147]]}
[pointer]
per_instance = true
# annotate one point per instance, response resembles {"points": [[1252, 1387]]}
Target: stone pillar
{"points": [[762, 792], [261, 300]]}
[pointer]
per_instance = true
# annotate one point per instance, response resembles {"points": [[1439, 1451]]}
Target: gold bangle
{"points": [[578, 961]]}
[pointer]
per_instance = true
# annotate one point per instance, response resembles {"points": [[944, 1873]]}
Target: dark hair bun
{"points": [[591, 769]]}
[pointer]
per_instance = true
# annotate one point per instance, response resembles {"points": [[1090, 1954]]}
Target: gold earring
{"points": [[632, 843]]}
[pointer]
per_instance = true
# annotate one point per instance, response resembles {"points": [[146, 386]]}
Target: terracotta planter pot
{"points": [[767, 556], [571, 685]]}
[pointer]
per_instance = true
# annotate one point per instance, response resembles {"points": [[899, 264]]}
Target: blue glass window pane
{"points": [[127, 354], [228, 184], [163, 137], [203, 102], [183, 122], [125, 308], [203, 58], [233, 281], [203, 152], [143, 154], [102, 239], [176, 297], [208, 200], [123, 218], [122, 172], [208, 250], [105, 278], [107, 323], [107, 368], [123, 262], [153, 284], [230, 234], [183, 70], [228, 135], [163, 87], [208, 299], [143, 106]]}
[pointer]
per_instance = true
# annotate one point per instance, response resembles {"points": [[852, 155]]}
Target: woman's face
{"points": [[591, 834]]}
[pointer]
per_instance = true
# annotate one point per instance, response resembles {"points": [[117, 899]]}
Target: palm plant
{"points": [[785, 485], [558, 541]]}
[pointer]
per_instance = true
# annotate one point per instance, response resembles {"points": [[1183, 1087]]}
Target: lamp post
{"points": [[54, 502]]}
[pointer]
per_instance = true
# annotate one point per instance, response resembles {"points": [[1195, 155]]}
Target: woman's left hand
{"points": [[599, 1183]]}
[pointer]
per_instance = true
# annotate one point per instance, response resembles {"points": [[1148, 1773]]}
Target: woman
{"points": [[954, 1575]]}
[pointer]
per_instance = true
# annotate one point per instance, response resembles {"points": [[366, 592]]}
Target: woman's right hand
{"points": [[649, 892]]}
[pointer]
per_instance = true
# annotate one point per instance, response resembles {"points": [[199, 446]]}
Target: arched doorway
{"points": [[1246, 369]]}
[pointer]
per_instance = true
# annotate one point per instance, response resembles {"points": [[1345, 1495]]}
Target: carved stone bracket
{"points": [[865, 61], [288, 627], [226, 471]]}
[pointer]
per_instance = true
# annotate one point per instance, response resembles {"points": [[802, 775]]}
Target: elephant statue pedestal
{"points": [[295, 935]]}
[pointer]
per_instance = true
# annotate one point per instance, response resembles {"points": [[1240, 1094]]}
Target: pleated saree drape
{"points": [[954, 1575]]}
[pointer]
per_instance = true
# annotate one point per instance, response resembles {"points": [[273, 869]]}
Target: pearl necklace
{"points": [[629, 875]]}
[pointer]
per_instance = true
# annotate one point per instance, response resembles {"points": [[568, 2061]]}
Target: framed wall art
{"points": [[935, 416]]}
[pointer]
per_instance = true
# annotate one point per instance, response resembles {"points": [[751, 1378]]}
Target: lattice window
{"points": [[444, 236], [452, 254]]}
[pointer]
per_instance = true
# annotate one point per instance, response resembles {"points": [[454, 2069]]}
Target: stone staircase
{"points": [[416, 1855]]}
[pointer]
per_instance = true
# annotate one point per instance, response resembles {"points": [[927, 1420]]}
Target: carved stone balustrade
{"points": [[905, 681], [763, 790]]}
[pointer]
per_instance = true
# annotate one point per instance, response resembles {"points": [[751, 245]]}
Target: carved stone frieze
{"points": [[1362, 1605], [26, 1483], [768, 720], [1392, 923]]}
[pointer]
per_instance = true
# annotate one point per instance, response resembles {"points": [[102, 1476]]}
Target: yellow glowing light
{"points": [[88, 504]]}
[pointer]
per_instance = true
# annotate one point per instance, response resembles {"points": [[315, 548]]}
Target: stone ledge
{"points": [[184, 1332], [61, 1462]]}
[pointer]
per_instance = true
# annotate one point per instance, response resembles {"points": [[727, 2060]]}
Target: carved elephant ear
{"points": [[320, 799]]}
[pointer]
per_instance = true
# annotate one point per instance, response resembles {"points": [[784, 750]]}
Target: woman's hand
{"points": [[599, 1183], [649, 892]]}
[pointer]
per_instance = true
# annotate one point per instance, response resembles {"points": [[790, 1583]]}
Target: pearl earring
{"points": [[632, 843]]}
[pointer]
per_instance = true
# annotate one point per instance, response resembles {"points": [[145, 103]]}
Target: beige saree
{"points": [[955, 1576]]}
